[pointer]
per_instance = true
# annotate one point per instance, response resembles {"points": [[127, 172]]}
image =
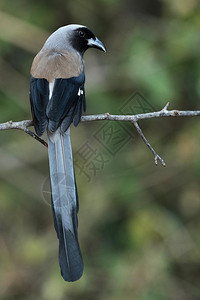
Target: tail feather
{"points": [[65, 204]]}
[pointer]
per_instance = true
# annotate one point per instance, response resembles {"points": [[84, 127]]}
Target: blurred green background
{"points": [[139, 225]]}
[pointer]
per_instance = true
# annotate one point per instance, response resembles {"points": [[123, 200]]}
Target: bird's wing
{"points": [[64, 107], [39, 98], [66, 103]]}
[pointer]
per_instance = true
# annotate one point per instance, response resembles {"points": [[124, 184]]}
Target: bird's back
{"points": [[52, 64]]}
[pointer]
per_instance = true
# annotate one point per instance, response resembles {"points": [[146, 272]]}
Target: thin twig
{"points": [[165, 107], [156, 156], [36, 137]]}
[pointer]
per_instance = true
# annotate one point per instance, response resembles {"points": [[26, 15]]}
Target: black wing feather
{"points": [[39, 97], [80, 106], [64, 107]]}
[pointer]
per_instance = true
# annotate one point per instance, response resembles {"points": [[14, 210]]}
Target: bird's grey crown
{"points": [[74, 37], [61, 38]]}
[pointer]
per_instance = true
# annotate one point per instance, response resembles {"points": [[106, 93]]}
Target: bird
{"points": [[57, 99]]}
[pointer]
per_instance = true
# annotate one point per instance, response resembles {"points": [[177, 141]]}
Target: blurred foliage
{"points": [[139, 225]]}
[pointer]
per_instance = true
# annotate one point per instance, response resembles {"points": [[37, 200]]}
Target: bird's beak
{"points": [[96, 43]]}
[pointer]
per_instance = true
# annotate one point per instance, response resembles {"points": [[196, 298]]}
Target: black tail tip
{"points": [[69, 277]]}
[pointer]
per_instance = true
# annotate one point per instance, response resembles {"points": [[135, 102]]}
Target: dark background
{"points": [[139, 224]]}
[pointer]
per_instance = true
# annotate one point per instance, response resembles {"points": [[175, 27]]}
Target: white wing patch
{"points": [[80, 92], [51, 85]]}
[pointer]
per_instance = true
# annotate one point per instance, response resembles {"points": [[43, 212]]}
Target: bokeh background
{"points": [[139, 225]]}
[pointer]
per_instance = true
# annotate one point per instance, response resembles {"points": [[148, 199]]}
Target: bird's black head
{"points": [[83, 38]]}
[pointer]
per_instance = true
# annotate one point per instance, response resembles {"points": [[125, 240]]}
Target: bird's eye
{"points": [[81, 33]]}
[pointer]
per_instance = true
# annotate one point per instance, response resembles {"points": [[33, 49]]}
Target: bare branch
{"points": [[22, 125], [135, 118], [16, 125]]}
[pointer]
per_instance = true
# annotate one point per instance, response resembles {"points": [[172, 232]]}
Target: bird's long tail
{"points": [[65, 204]]}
